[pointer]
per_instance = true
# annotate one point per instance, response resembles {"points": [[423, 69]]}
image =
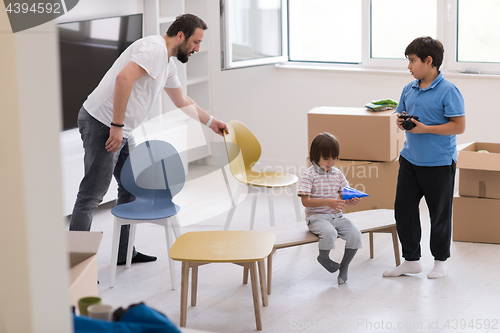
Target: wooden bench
{"points": [[368, 221]]}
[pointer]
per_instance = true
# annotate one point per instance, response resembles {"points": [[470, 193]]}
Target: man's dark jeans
{"points": [[100, 166]]}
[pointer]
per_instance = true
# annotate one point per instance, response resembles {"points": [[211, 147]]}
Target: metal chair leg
{"points": [[234, 203], [270, 198], [252, 211]]}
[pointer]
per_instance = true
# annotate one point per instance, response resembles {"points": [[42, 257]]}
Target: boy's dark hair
{"points": [[324, 145], [424, 47], [187, 23]]}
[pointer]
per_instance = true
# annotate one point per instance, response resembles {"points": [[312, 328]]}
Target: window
{"points": [[325, 30], [477, 36], [364, 33], [395, 23], [390, 25], [254, 32]]}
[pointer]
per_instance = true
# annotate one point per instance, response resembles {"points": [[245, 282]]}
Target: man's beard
{"points": [[182, 54]]}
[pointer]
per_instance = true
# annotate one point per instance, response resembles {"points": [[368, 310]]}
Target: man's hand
{"points": [[219, 127], [115, 139]]}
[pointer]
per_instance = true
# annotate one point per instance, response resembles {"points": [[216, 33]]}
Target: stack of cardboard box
{"points": [[476, 210], [370, 143]]}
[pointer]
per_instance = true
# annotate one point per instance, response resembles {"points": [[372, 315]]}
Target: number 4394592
{"points": [[36, 8], [471, 324]]}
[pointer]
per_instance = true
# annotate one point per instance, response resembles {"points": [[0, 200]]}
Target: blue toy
{"points": [[349, 193]]}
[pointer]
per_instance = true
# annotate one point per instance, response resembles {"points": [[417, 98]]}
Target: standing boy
{"points": [[428, 160]]}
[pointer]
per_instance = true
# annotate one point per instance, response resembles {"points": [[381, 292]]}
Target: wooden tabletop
{"points": [[222, 246]]}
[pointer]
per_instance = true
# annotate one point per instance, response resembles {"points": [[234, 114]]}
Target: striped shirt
{"points": [[318, 183]]}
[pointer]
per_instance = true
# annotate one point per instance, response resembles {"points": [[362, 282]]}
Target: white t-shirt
{"points": [[151, 54]]}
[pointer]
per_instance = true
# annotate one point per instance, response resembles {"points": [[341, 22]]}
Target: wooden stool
{"points": [[244, 248]]}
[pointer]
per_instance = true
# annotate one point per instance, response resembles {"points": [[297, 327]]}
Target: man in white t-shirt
{"points": [[120, 103]]}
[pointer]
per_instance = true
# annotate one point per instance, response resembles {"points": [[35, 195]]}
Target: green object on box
{"points": [[385, 101], [382, 104]]}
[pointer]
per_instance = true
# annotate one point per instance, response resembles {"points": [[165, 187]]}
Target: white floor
{"points": [[305, 297]]}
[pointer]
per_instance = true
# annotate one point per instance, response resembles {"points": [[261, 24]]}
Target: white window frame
{"points": [[446, 27], [451, 46], [226, 45], [384, 63]]}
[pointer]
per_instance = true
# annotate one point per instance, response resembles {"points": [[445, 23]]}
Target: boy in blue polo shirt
{"points": [[428, 160]]}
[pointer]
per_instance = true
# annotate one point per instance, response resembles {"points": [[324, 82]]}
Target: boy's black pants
{"points": [[436, 185]]}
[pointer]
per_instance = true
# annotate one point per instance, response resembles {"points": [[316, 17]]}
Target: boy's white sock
{"points": [[407, 267], [440, 270]]}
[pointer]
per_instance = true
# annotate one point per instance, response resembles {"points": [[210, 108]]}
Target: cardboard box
{"points": [[479, 172], [82, 248], [476, 220], [363, 135], [378, 179]]}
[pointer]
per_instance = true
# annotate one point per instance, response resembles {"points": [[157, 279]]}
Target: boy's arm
{"points": [[336, 205], [456, 125]]}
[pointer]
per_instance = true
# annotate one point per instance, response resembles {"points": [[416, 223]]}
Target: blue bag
{"points": [[138, 319]]}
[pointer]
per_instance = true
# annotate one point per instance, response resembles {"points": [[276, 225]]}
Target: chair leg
{"points": [[396, 245], [296, 203], [171, 264], [194, 284], [270, 271], [176, 227], [229, 218], [263, 282], [114, 252], [184, 292], [255, 294], [130, 247], [245, 275], [252, 212], [234, 203], [270, 198], [371, 244]]}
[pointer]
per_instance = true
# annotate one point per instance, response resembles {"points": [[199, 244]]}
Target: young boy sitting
{"points": [[320, 189]]}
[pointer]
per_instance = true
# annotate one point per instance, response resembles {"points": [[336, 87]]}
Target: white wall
{"points": [[274, 102], [33, 261]]}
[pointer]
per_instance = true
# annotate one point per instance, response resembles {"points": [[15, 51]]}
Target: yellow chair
{"points": [[244, 150]]}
